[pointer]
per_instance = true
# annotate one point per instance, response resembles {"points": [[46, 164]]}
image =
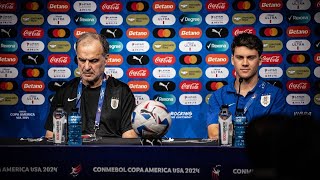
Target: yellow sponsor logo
{"points": [[8, 99], [298, 72], [243, 18], [59, 46], [164, 46], [190, 6], [137, 19], [32, 19], [272, 45], [190, 73]]}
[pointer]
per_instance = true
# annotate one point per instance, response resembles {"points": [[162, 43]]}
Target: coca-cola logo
{"points": [[138, 73], [190, 86], [32, 33], [271, 58], [298, 85], [111, 6], [240, 30], [217, 6], [7, 6], [162, 59], [59, 59]]}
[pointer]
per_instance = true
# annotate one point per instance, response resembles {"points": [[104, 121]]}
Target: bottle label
{"points": [[58, 127]]}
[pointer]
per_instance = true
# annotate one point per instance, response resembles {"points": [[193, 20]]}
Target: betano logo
{"points": [[8, 6], [33, 32], [163, 6], [273, 59], [8, 99], [111, 7], [137, 6], [270, 31], [190, 6], [32, 86], [58, 6], [8, 86], [79, 31], [190, 72], [58, 19], [243, 18], [271, 18], [164, 59], [114, 60], [271, 5], [317, 58], [190, 32], [217, 59], [163, 46], [164, 33], [8, 59], [137, 19], [217, 19], [298, 58], [139, 86], [240, 5], [32, 19], [190, 59], [163, 19], [190, 19], [137, 33], [58, 33], [298, 31], [217, 5]]}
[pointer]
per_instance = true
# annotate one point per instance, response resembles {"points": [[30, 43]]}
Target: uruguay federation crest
{"points": [[114, 103], [265, 100]]}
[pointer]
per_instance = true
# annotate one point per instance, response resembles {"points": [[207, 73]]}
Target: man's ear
{"points": [[232, 60], [106, 58], [260, 60]]}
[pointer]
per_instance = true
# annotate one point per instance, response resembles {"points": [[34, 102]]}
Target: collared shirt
{"points": [[268, 100]]}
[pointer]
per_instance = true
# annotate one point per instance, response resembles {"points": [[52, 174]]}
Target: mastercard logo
{"points": [[58, 33], [270, 32], [298, 58], [32, 72], [215, 85], [33, 6], [190, 59], [8, 86], [164, 32], [137, 6], [243, 5]]}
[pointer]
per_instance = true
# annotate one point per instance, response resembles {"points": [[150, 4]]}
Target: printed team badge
{"points": [[265, 100], [114, 102]]}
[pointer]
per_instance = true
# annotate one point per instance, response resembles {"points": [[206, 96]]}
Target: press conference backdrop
{"points": [[177, 52]]}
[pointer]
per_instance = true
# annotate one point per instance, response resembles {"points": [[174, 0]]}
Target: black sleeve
{"points": [[128, 105]]}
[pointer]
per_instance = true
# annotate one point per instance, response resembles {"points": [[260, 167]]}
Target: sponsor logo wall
{"points": [[176, 52]]}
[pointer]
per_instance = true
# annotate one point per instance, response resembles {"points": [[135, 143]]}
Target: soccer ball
{"points": [[151, 119]]}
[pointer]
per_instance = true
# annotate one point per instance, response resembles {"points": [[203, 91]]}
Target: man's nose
{"points": [[87, 65]]}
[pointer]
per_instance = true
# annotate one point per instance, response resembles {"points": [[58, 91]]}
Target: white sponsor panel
{"points": [[317, 17], [32, 99], [59, 73], [163, 19], [32, 46], [298, 99], [190, 46], [271, 18], [58, 19], [111, 20], [164, 73], [316, 72], [270, 72], [298, 45], [190, 99], [8, 19], [84, 6], [8, 72], [217, 19], [217, 72], [298, 4], [114, 72], [138, 46], [141, 98]]}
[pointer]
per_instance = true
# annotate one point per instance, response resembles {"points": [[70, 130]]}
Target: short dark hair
{"points": [[100, 37], [250, 41]]}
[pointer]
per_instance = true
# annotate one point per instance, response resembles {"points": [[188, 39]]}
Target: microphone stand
{"points": [[240, 81]]}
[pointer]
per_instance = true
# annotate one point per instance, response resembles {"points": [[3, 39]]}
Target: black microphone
{"points": [[238, 94]]}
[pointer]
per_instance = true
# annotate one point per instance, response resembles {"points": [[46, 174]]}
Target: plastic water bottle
{"points": [[59, 125], [74, 128], [240, 124], [225, 126]]}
